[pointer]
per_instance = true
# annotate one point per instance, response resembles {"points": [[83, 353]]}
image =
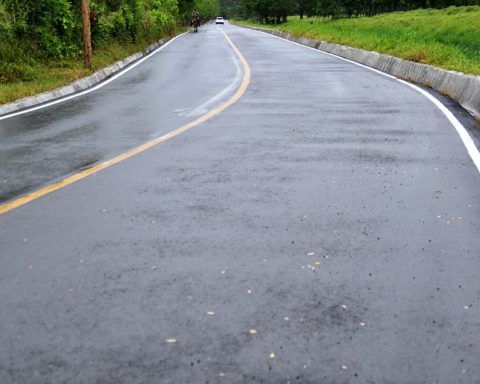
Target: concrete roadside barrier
{"points": [[463, 88], [79, 85]]}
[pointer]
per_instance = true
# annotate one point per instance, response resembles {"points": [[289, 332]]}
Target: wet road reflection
{"points": [[42, 146]]}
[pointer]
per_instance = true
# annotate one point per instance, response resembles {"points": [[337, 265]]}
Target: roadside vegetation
{"points": [[277, 11], [41, 41], [448, 38]]}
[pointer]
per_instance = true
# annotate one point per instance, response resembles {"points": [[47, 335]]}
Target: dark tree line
{"points": [[276, 11]]}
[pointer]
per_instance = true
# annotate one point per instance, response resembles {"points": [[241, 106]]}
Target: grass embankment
{"points": [[447, 38], [45, 76]]}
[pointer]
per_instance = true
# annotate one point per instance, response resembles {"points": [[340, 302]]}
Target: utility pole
{"points": [[87, 36]]}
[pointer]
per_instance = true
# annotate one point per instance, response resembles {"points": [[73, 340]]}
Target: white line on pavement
{"points": [[95, 87], [462, 132]]}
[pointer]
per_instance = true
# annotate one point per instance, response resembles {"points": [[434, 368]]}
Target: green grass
{"points": [[45, 76], [447, 38]]}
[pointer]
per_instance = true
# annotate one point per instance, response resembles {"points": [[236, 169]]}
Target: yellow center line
{"points": [[96, 168]]}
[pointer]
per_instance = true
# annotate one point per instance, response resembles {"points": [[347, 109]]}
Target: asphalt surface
{"points": [[324, 229], [163, 93]]}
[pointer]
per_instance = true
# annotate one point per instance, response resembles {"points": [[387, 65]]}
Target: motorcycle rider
{"points": [[196, 17]]}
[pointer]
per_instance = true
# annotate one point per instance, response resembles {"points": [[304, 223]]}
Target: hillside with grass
{"points": [[447, 38]]}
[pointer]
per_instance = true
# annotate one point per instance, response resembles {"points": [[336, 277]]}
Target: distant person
{"points": [[196, 16], [195, 23]]}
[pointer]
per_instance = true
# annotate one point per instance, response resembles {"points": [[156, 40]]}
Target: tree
{"points": [[208, 8], [87, 37], [269, 11], [230, 9], [305, 7]]}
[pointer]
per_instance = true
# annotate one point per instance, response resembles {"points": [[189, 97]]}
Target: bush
{"points": [[34, 32], [15, 72], [164, 15]]}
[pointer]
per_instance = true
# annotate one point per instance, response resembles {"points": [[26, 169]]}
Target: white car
{"points": [[219, 20]]}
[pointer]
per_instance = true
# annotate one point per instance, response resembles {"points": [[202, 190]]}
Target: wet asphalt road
{"points": [[332, 210], [163, 93]]}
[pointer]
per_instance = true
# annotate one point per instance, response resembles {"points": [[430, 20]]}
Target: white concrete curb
{"points": [[79, 85], [465, 89]]}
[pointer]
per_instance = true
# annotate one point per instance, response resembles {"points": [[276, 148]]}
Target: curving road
{"points": [[323, 229], [187, 79]]}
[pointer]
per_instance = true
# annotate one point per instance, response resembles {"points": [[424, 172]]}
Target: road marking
{"points": [[204, 107], [467, 140], [90, 171], [462, 132], [95, 87]]}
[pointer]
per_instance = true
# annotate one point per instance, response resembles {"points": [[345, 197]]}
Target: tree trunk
{"points": [[87, 37]]}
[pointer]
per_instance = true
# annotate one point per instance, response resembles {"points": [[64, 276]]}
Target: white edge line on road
{"points": [[462, 132], [95, 87]]}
